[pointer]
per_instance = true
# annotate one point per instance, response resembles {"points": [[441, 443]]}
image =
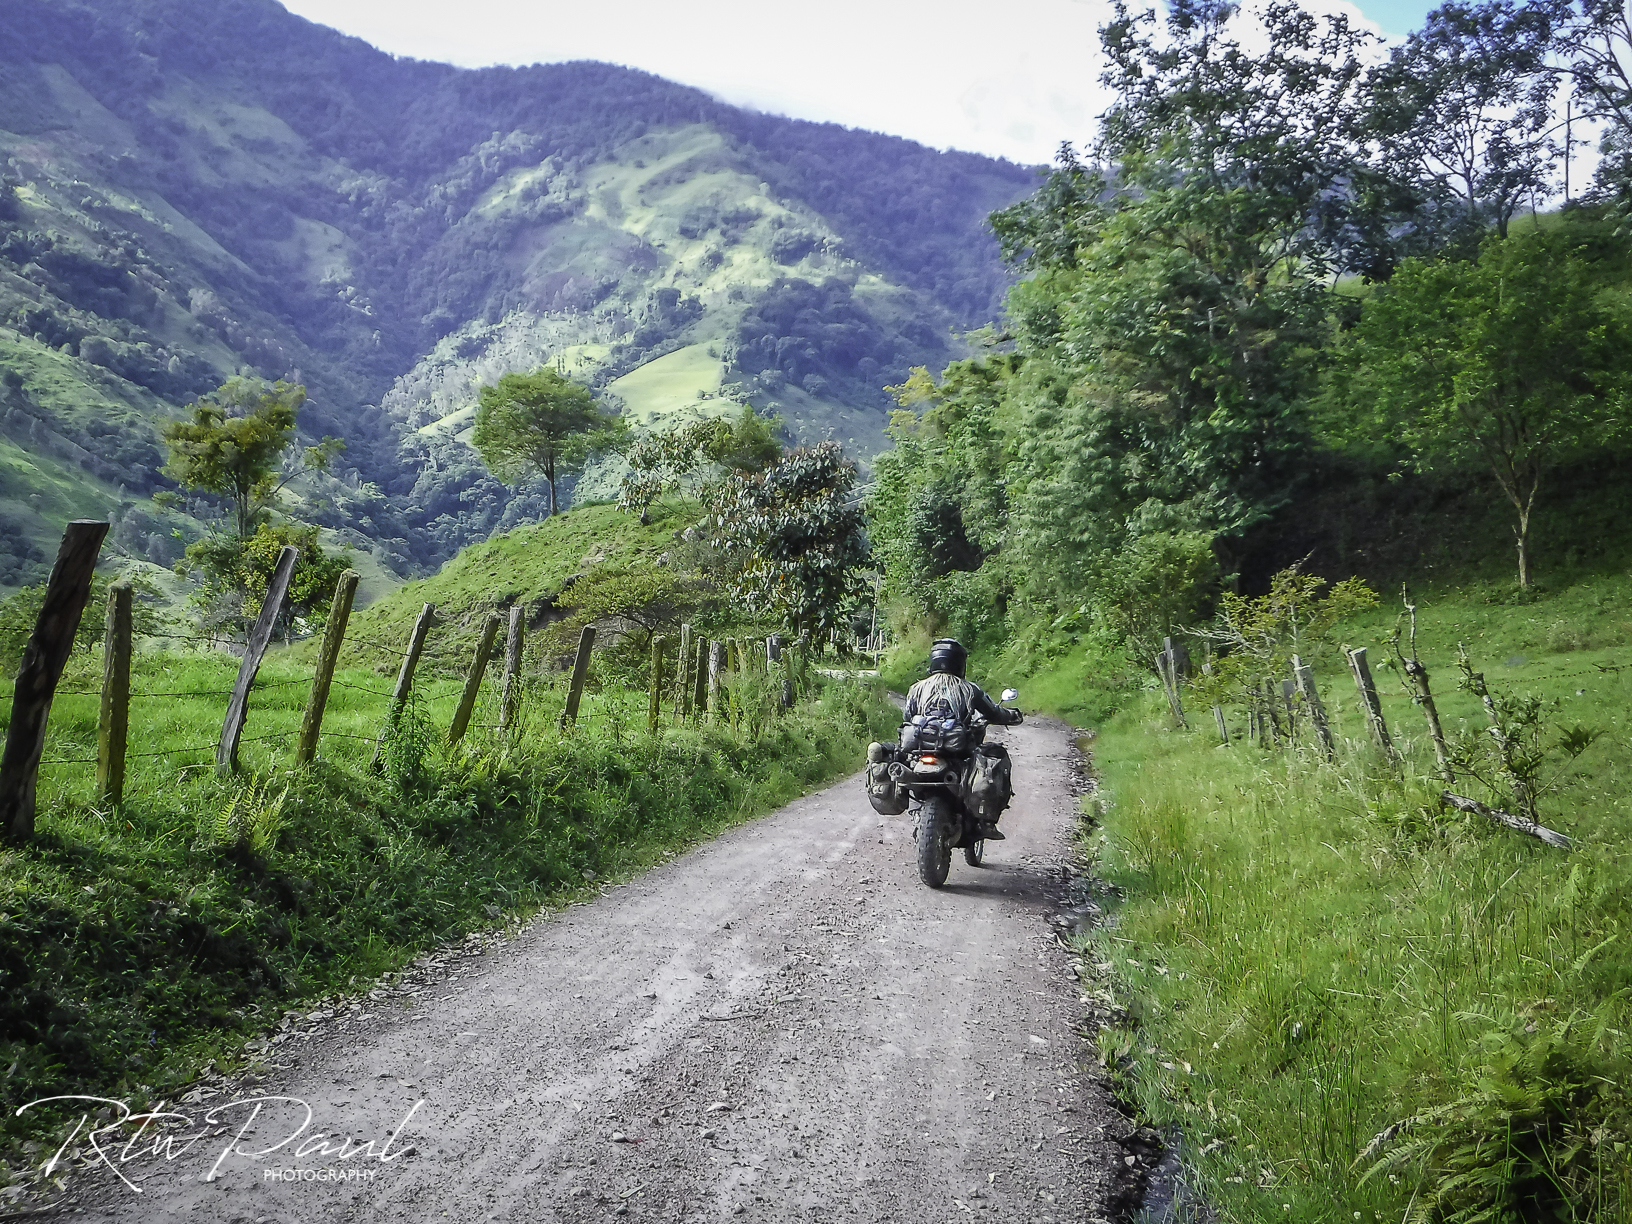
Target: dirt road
{"points": [[782, 1024]]}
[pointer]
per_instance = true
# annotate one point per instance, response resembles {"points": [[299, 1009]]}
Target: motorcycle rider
{"points": [[948, 692]]}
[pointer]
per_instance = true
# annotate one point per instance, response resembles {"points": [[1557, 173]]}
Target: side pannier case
{"points": [[886, 795]]}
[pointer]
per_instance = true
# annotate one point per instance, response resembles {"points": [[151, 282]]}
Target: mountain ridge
{"points": [[192, 191]]}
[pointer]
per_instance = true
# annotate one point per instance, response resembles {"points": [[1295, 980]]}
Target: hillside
{"points": [[528, 565], [392, 232]]}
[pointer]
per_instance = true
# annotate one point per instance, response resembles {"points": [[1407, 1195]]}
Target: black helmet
{"points": [[948, 655]]}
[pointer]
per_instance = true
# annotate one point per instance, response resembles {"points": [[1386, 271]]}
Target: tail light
{"points": [[928, 759]]}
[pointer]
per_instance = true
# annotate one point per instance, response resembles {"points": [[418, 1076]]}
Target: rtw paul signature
{"points": [[258, 1126]]}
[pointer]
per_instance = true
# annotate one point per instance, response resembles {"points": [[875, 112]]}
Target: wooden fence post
{"points": [[776, 664], [44, 657], [1368, 699], [682, 676], [1266, 692], [1218, 710], [1317, 711], [580, 669], [512, 670], [405, 681], [716, 677], [260, 637], [699, 691], [473, 677], [655, 702], [113, 720], [1167, 667], [328, 654], [1418, 675]]}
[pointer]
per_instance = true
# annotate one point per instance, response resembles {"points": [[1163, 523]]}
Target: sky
{"points": [[941, 73]]}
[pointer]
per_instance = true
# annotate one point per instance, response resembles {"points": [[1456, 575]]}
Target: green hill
{"points": [[392, 233], [528, 566]]}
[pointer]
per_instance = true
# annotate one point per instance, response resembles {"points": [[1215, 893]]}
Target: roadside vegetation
{"points": [[1291, 335], [147, 940], [1347, 1000]]}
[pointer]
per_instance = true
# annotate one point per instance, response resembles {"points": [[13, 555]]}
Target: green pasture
{"points": [[1309, 953]]}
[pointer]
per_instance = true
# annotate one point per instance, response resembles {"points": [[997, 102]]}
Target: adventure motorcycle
{"points": [[957, 782]]}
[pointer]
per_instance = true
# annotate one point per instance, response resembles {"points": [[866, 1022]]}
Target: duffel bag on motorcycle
{"points": [[888, 797], [990, 781], [935, 735]]}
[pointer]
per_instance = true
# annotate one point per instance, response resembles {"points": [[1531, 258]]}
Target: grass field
{"points": [[139, 942], [1307, 954]]}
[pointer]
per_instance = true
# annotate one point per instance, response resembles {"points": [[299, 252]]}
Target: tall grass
{"points": [[1314, 955], [139, 941]]}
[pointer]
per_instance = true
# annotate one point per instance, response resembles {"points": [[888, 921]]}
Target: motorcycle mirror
{"points": [[1010, 694]]}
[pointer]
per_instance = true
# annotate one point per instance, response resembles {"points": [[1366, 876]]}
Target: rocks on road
{"points": [[781, 1024]]}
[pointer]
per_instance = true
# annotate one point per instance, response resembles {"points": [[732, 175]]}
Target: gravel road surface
{"points": [[781, 1024]]}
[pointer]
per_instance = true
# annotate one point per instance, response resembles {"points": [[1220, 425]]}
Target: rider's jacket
{"points": [[962, 699]]}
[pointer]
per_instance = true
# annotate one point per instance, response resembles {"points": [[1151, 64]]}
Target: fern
{"points": [[1543, 1137], [252, 816]]}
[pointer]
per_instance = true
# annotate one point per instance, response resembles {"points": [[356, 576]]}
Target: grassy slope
{"points": [[1310, 953], [528, 565], [139, 942]]}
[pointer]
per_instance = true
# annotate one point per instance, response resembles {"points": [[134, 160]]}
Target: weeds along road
{"points": [[781, 1024]]}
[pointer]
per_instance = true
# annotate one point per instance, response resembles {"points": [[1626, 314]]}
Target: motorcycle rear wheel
{"points": [[975, 853], [934, 841]]}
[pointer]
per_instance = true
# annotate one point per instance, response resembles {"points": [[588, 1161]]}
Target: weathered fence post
{"points": [[652, 710], [1288, 687], [776, 665], [1218, 710], [405, 681], [260, 637], [1311, 698], [473, 677], [716, 678], [580, 669], [1368, 698], [1418, 675], [1167, 667], [113, 719], [682, 676], [1266, 691], [699, 681], [512, 670], [44, 657], [328, 655]]}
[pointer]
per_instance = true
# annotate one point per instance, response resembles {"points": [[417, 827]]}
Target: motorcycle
{"points": [[955, 782]]}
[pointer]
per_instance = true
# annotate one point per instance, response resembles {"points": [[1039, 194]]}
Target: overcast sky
{"points": [[1011, 80]]}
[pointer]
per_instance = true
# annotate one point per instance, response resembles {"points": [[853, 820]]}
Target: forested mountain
{"points": [[193, 190]]}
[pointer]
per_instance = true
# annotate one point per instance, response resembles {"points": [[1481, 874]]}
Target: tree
{"points": [[540, 424], [1466, 105], [685, 457], [235, 576], [233, 444], [1183, 287], [1515, 361], [239, 444], [795, 535]]}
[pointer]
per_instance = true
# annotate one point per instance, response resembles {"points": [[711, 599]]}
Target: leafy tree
{"points": [[1466, 106], [235, 576], [234, 442], [1182, 293], [631, 604], [21, 611], [1164, 582], [795, 535], [1259, 634], [1515, 361], [684, 458], [540, 424]]}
